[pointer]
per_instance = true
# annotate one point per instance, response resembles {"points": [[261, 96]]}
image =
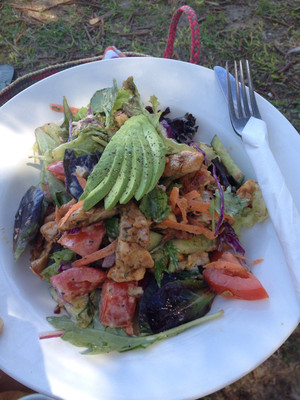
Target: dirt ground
{"points": [[274, 55]]}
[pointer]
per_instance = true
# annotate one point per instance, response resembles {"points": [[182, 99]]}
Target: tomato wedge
{"points": [[228, 285], [117, 307], [75, 282], [228, 278], [56, 168], [85, 240]]}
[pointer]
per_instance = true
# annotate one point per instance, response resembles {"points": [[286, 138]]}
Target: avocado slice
{"points": [[100, 170], [230, 165], [135, 171], [100, 191], [147, 169], [158, 151], [118, 188]]}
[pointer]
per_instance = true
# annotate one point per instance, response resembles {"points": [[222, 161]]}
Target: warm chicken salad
{"points": [[134, 225]]}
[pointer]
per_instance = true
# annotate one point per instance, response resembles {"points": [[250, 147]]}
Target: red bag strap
{"points": [[195, 33]]}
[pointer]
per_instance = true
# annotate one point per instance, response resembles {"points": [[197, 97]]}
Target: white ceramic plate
{"points": [[195, 363]]}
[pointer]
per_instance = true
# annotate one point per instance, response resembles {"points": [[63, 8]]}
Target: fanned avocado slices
{"points": [[118, 188], [130, 166]]}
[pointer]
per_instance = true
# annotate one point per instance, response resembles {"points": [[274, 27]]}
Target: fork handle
{"points": [[278, 199]]}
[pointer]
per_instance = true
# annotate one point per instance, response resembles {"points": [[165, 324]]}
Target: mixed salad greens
{"points": [[133, 224]]}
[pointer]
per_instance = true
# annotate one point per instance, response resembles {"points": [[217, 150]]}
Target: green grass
{"points": [[261, 30]]}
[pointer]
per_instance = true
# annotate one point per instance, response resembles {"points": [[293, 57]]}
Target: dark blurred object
{"points": [[6, 75], [9, 386]]}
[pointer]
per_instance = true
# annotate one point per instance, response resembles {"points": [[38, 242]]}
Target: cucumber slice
{"points": [[230, 165], [155, 240]]}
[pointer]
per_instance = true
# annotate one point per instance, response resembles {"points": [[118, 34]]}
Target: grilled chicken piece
{"points": [[247, 189], [134, 227], [120, 275], [198, 180], [38, 264], [50, 217], [49, 231], [196, 259], [132, 256], [80, 217], [183, 163]]}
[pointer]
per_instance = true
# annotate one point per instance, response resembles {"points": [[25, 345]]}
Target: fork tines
{"points": [[244, 107]]}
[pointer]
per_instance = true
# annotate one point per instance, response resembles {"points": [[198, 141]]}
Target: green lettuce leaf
{"points": [[233, 203], [81, 113], [107, 101], [154, 205], [89, 141], [48, 137], [165, 260], [112, 227], [58, 257], [105, 340], [57, 189], [68, 115]]}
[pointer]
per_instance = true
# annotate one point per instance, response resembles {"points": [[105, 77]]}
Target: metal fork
{"points": [[245, 108], [247, 123]]}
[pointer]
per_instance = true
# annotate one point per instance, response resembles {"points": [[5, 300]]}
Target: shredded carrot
{"points": [[192, 195], [60, 212], [187, 203], [196, 229], [258, 261], [228, 256], [70, 211], [180, 202], [174, 195], [198, 206], [183, 205], [97, 255], [195, 205], [82, 181], [60, 108], [57, 214]]}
